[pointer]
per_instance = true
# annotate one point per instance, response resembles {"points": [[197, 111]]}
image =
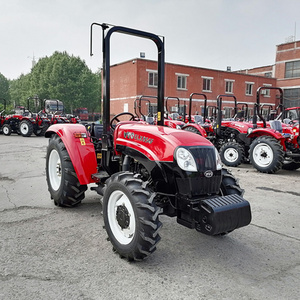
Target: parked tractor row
{"points": [[25, 123], [268, 145]]}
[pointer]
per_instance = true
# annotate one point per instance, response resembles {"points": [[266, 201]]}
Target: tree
{"points": [[4, 91], [20, 90], [66, 78]]}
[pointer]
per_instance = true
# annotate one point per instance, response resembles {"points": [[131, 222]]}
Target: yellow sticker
{"points": [[82, 141], [99, 155], [158, 116]]}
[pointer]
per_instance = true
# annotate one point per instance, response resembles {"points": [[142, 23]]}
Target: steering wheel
{"points": [[115, 118]]}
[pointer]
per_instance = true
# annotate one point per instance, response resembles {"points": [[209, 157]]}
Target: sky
{"points": [[212, 34]]}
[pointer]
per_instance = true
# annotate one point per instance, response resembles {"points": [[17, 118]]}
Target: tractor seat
{"points": [[150, 120], [276, 125], [95, 130]]}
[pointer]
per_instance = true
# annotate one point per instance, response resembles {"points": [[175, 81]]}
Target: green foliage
{"points": [[62, 77], [4, 91]]}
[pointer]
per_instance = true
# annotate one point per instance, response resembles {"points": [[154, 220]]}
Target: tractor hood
{"points": [[158, 143]]}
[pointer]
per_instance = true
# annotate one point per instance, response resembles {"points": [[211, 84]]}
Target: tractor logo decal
{"points": [[137, 137], [208, 174]]}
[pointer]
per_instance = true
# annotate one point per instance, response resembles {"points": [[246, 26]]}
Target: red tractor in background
{"points": [[41, 120], [173, 119], [199, 123], [267, 144], [21, 122], [54, 109], [142, 171]]}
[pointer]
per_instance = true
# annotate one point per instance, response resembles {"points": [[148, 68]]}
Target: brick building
{"points": [[137, 77], [286, 70]]}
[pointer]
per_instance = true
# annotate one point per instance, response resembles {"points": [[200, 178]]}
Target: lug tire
{"points": [[63, 183], [6, 129], [266, 154], [290, 165], [41, 130], [232, 154], [26, 128], [131, 216], [192, 129], [230, 184]]}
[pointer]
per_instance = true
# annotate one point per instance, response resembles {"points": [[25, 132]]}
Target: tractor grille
{"points": [[205, 158], [199, 185]]}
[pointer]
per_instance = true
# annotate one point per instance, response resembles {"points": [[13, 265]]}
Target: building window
{"points": [[266, 92], [291, 97], [229, 86], [268, 74], [152, 79], [249, 88], [228, 112], [292, 69], [207, 84], [181, 81]]}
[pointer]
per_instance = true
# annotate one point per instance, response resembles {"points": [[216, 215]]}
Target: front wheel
{"points": [[131, 216], [232, 154], [26, 128], [266, 154], [229, 184], [6, 129], [63, 183]]}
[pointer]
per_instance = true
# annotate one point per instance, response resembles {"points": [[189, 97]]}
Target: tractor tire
{"points": [[266, 154], [230, 184], [232, 154], [26, 128], [6, 129], [63, 183], [192, 129], [290, 165], [41, 130], [131, 216]]}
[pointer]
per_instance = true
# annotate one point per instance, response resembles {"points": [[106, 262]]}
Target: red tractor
{"points": [[290, 119], [173, 119], [198, 123], [267, 144], [21, 122], [142, 171]]}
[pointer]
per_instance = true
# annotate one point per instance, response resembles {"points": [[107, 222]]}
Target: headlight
{"points": [[218, 160], [178, 127], [249, 130], [185, 160]]}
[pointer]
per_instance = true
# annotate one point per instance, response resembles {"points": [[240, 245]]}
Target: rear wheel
{"points": [[232, 154], [131, 216], [63, 183], [26, 128], [266, 154], [192, 129], [6, 129], [40, 131]]}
